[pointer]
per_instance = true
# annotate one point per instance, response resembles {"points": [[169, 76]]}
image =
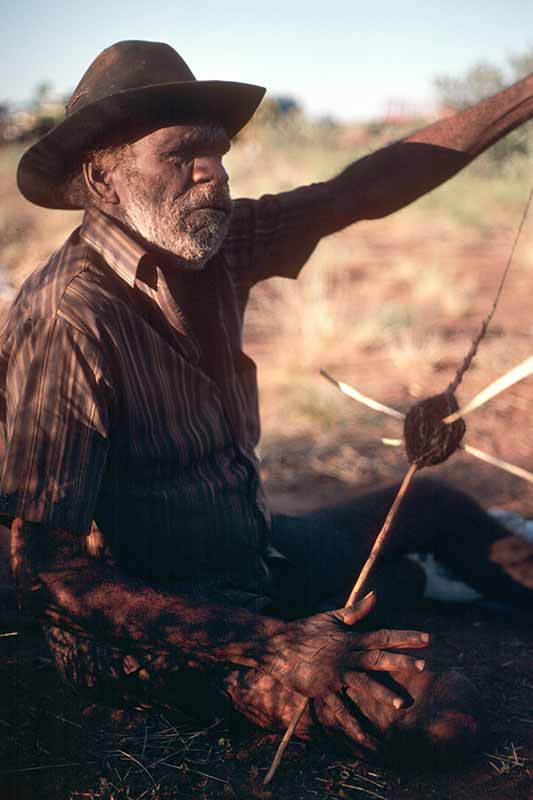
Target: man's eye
{"points": [[174, 157]]}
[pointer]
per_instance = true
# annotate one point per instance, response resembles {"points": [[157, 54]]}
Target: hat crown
{"points": [[129, 83], [128, 65]]}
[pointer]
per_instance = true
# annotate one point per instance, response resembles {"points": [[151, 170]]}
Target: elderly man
{"points": [[127, 402]]}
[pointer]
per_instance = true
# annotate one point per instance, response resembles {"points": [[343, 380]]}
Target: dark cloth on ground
{"points": [[326, 549]]}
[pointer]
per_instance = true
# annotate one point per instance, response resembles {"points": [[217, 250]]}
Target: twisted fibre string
{"points": [[486, 322]]}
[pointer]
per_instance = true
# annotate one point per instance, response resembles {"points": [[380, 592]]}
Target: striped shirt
{"points": [[110, 410]]}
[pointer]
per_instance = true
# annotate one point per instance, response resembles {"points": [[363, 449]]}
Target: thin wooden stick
{"points": [[506, 466], [465, 366], [361, 398], [379, 543], [377, 547], [514, 375], [287, 736], [500, 463], [518, 373]]}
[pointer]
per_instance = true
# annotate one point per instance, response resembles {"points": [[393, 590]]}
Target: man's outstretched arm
{"points": [[392, 177], [318, 657], [276, 234]]}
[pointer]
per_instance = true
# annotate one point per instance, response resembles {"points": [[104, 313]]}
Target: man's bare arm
{"points": [[317, 656], [394, 176], [60, 584]]}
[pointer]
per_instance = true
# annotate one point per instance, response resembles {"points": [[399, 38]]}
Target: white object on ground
{"points": [[516, 523], [441, 584]]}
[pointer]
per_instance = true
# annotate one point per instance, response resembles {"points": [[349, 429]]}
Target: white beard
{"points": [[175, 226]]}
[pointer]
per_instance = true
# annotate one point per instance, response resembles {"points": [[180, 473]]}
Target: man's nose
{"points": [[209, 169]]}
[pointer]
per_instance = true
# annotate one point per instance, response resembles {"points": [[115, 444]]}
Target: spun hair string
{"points": [[486, 322]]}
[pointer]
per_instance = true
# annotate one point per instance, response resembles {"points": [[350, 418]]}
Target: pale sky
{"points": [[346, 59]]}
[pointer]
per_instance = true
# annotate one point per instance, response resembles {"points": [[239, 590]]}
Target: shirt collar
{"points": [[117, 248]]}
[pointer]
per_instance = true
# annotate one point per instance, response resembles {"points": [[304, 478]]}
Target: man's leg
{"points": [[326, 549]]}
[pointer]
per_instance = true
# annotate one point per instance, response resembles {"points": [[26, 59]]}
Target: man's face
{"points": [[174, 190]]}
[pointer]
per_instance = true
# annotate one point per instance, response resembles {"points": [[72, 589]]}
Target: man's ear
{"points": [[100, 183]]}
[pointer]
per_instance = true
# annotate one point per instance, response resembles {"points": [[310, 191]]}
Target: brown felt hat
{"points": [[128, 84]]}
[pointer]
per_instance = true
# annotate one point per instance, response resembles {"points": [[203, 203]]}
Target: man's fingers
{"points": [[349, 724], [392, 639], [360, 684], [352, 614], [381, 660]]}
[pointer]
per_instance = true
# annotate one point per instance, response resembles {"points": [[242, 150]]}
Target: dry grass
{"points": [[508, 761]]}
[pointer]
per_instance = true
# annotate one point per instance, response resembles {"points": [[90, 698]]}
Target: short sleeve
{"points": [[55, 430], [275, 235]]}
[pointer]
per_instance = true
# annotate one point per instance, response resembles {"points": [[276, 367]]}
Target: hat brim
{"points": [[46, 167]]}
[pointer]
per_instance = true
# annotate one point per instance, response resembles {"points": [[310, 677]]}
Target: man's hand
{"points": [[320, 657]]}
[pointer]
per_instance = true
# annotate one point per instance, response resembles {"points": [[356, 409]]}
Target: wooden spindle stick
{"points": [[514, 375], [379, 543], [362, 398], [467, 362], [506, 466], [518, 373], [377, 548], [287, 736]]}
